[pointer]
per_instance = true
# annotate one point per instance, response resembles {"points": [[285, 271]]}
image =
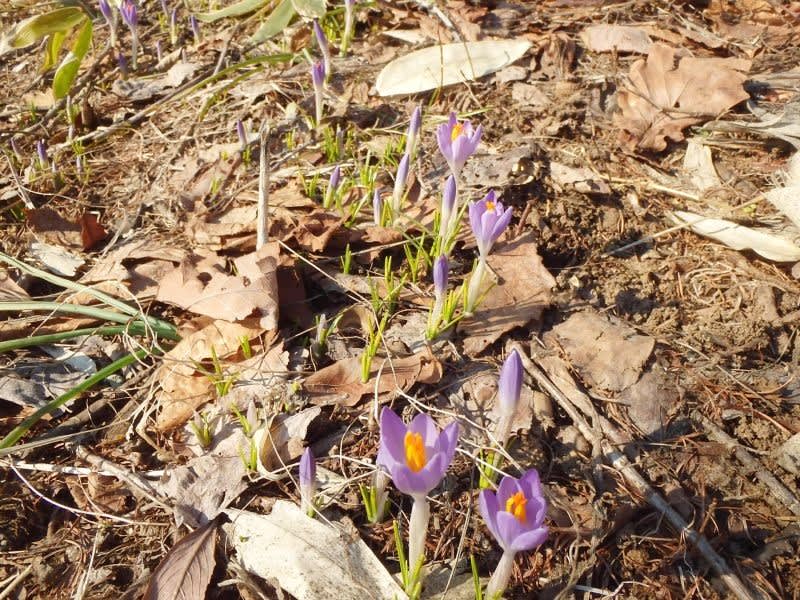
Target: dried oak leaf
{"points": [[202, 285], [55, 229], [520, 294], [661, 100], [340, 383]]}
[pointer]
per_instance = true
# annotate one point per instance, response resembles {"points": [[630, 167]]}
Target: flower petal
{"points": [[445, 143], [500, 224], [529, 540], [507, 488], [424, 425], [448, 440], [508, 529], [487, 504], [530, 484], [407, 481], [393, 434]]}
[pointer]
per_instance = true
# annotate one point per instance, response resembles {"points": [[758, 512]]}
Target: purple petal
{"points": [[508, 528], [449, 195], [507, 488], [424, 425], [500, 224], [440, 272], [529, 540], [476, 209], [452, 120], [536, 511], [448, 440], [406, 480], [308, 468], [510, 383], [445, 144], [487, 504], [393, 433], [433, 472]]}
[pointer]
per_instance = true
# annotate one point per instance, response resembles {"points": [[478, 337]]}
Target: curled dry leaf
{"points": [[309, 558], [202, 284], [186, 570], [52, 228], [619, 38], [340, 383], [282, 440], [785, 198], [583, 179], [662, 99], [608, 354], [520, 293]]}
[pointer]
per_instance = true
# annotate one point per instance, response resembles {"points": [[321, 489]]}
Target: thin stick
{"points": [[263, 189], [753, 465], [619, 461]]}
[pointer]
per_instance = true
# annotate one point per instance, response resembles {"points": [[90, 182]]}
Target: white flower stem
{"points": [[417, 532], [348, 29], [475, 283], [499, 581], [318, 105], [134, 48]]}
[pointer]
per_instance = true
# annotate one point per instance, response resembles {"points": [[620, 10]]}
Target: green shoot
{"points": [[244, 344], [201, 426], [346, 260], [371, 349], [476, 579]]}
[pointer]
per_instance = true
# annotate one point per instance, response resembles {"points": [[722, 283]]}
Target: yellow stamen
{"points": [[415, 451], [489, 206], [516, 506], [457, 128]]}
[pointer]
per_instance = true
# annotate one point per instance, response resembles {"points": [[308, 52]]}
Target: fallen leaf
{"points": [[183, 388], [186, 570], [52, 228], [739, 237], [147, 88], [608, 353], [616, 38], [651, 401], [309, 558], [699, 164], [522, 292], [785, 197], [91, 231], [56, 259], [788, 455], [582, 179], [202, 285], [447, 64], [783, 126], [9, 290], [661, 100], [316, 231], [217, 231], [282, 440], [340, 383]]}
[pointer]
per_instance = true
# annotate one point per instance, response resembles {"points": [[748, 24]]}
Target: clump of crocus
{"points": [[324, 47], [307, 482], [333, 187], [412, 136], [416, 457], [130, 15], [318, 80], [111, 18], [349, 20], [400, 181], [515, 516], [488, 220], [457, 142]]}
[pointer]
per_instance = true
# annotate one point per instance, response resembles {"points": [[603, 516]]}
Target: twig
{"points": [[263, 188], [15, 582], [619, 461], [753, 465]]}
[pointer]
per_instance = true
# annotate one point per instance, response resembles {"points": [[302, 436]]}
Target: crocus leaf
{"points": [[438, 66], [54, 44], [234, 10], [68, 69], [312, 9], [33, 29], [187, 568], [275, 22]]}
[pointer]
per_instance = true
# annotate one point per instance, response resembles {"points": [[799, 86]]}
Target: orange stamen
{"points": [[516, 506], [457, 128], [415, 451], [490, 206]]}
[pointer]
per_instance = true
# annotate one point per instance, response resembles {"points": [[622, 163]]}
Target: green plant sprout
{"points": [[415, 257], [244, 344], [249, 424], [346, 260], [476, 578], [310, 186], [371, 349], [201, 426], [322, 331], [412, 584], [331, 145]]}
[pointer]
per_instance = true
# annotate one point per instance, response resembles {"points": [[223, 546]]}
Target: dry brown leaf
{"points": [[340, 383], [582, 179], [522, 293], [608, 353], [9, 290], [282, 440], [651, 401], [619, 38], [183, 388], [186, 570], [316, 231], [52, 228], [661, 100], [141, 89], [202, 285]]}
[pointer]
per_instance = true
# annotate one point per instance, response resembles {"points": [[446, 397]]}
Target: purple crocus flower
{"points": [[515, 516], [510, 383], [324, 47], [106, 11], [195, 27], [448, 207], [308, 481], [416, 457], [318, 80], [441, 269], [41, 153], [130, 13], [488, 220], [412, 137], [457, 142], [333, 185], [377, 208], [400, 181]]}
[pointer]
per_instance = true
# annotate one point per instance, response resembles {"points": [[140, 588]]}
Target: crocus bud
{"points": [[195, 27], [308, 481], [106, 11], [441, 270], [318, 80], [241, 133], [377, 208], [412, 137], [130, 14], [41, 153], [510, 383], [448, 206], [122, 63], [324, 47], [333, 185], [165, 8], [400, 181]]}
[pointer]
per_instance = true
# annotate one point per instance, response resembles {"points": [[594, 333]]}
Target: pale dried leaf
{"points": [[141, 89], [619, 38], [447, 64], [9, 290], [522, 292], [186, 570], [56, 259], [582, 178], [340, 383], [699, 164], [608, 353], [661, 99], [739, 237], [282, 440], [651, 401], [309, 558]]}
